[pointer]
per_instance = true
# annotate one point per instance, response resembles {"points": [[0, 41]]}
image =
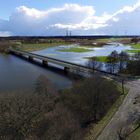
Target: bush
{"points": [[4, 45], [20, 114], [46, 114], [90, 99]]}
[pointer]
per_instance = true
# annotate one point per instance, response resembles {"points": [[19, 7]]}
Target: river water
{"points": [[18, 74]]}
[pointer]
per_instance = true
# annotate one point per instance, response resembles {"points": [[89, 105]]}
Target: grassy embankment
{"points": [[135, 135], [97, 129], [102, 59], [136, 48], [133, 51]]}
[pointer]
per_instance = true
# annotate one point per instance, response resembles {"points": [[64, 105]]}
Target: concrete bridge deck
{"points": [[68, 66], [45, 60]]}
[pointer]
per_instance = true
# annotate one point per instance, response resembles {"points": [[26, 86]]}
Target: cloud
{"points": [[5, 33], [124, 21], [78, 19], [26, 21]]}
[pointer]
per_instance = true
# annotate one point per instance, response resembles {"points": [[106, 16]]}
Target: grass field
{"points": [[102, 59], [99, 58], [133, 51], [136, 46], [75, 49], [91, 46], [107, 40], [40, 46]]}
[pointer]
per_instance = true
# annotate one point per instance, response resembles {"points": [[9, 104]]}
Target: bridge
{"points": [[46, 60], [68, 66]]}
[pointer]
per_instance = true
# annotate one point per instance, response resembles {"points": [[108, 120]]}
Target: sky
{"points": [[81, 17]]}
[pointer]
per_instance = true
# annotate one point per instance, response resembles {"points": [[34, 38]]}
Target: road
{"points": [[123, 118]]}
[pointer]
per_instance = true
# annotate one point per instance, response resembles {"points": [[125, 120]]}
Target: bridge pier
{"points": [[45, 63], [67, 66], [66, 69], [30, 58], [20, 54]]}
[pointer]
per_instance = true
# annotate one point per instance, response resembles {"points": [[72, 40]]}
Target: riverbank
{"points": [[17, 74], [81, 47], [4, 46], [135, 48], [77, 49], [103, 41], [102, 59], [40, 46], [35, 44]]}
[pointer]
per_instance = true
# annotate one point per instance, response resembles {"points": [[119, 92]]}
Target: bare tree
{"points": [[112, 61], [44, 86], [123, 59], [94, 64]]}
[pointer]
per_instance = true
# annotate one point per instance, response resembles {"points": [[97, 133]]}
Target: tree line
{"points": [[121, 63], [49, 114]]}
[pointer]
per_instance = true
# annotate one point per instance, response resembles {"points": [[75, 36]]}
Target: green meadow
{"points": [[75, 49], [136, 46], [133, 51], [99, 58]]}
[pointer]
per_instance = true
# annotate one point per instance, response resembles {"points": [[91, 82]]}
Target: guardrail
{"points": [[65, 64]]}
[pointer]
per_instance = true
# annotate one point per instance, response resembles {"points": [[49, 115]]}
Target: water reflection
{"points": [[17, 74]]}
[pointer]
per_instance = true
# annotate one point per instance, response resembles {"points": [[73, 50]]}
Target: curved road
{"points": [[126, 114]]}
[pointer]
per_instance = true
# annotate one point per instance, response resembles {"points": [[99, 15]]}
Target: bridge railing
{"points": [[69, 64]]}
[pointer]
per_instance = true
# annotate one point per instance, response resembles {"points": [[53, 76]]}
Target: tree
{"points": [[90, 98], [123, 59], [94, 64], [133, 66], [4, 46], [135, 40], [112, 61], [45, 87], [20, 114]]}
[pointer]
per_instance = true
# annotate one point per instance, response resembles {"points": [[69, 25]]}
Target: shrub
{"points": [[90, 99]]}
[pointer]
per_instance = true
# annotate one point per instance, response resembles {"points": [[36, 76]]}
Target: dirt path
{"points": [[124, 115]]}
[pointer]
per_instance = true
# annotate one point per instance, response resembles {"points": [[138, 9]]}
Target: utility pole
{"points": [[122, 83], [67, 32], [70, 33]]}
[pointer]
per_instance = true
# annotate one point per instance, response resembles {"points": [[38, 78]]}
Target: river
{"points": [[18, 74], [79, 58]]}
